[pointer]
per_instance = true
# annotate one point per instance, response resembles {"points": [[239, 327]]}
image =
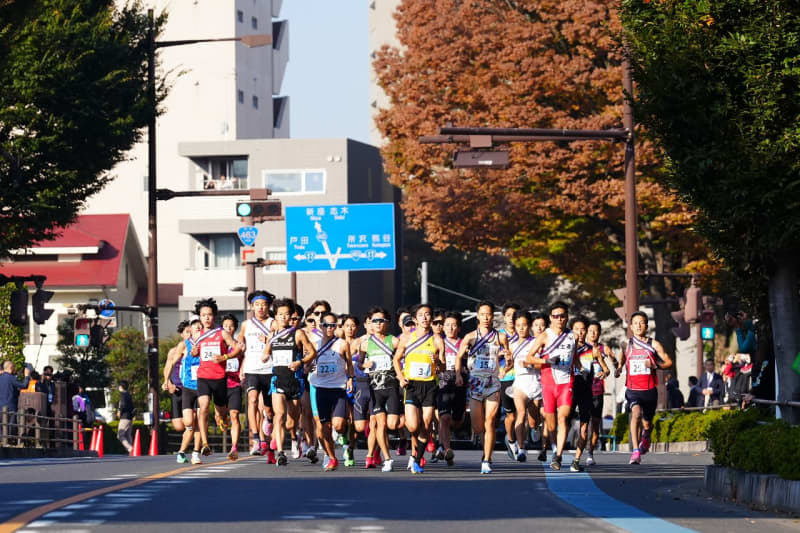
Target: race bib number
{"points": [[420, 370], [326, 368], [450, 361], [208, 351], [282, 358], [484, 362], [382, 363], [193, 372], [232, 365], [639, 368]]}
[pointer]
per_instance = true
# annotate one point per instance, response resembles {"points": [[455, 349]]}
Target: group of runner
{"points": [[310, 375]]}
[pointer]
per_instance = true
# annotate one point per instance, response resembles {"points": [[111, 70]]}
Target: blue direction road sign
{"points": [[340, 237], [248, 234], [108, 313]]}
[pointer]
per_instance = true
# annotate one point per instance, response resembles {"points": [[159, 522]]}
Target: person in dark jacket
{"points": [[694, 393], [9, 390], [674, 395], [711, 385]]}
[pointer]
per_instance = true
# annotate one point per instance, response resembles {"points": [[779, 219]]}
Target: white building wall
{"points": [[382, 31]]}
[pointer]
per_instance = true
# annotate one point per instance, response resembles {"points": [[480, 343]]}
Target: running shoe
{"points": [[282, 459], [522, 456], [449, 456], [430, 447], [416, 469], [376, 456], [486, 467], [644, 445], [331, 464], [590, 460], [181, 457], [369, 462], [271, 458], [349, 459], [575, 466], [256, 449], [304, 449], [387, 466], [273, 445], [205, 450], [311, 454], [233, 454], [542, 456], [636, 457], [439, 455], [410, 462], [401, 447], [295, 450], [263, 447], [196, 458], [510, 448], [555, 464]]}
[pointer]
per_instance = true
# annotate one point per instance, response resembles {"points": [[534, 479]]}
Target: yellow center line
{"points": [[23, 519]]}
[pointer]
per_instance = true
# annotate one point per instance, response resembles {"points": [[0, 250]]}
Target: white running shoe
{"points": [[387, 466], [410, 462], [295, 450], [590, 460], [486, 467], [304, 448], [515, 447]]}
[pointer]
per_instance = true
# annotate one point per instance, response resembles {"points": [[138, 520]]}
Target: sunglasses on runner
{"points": [[328, 324], [380, 320], [438, 323], [294, 319], [557, 317], [317, 313]]}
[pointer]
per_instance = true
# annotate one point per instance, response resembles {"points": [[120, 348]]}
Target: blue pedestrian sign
{"points": [[81, 340], [108, 313], [248, 234], [340, 237]]}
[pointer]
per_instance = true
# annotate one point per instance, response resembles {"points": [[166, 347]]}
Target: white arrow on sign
{"points": [[333, 258]]}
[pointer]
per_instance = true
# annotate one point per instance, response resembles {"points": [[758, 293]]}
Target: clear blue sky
{"points": [[328, 72]]}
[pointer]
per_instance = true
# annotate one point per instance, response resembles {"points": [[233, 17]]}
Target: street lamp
{"points": [[251, 41]]}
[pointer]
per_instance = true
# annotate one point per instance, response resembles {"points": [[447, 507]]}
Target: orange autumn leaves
{"points": [[545, 64]]}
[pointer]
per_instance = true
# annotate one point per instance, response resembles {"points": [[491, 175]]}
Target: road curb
{"points": [[763, 490], [674, 447], [34, 453]]}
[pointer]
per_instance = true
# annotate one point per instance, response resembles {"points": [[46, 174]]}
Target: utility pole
{"points": [[423, 283], [631, 245]]}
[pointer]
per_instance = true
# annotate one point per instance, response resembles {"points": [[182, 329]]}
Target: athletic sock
{"points": [[420, 450]]}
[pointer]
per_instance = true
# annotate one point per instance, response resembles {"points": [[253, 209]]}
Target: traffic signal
{"points": [[707, 323], [258, 208], [82, 327], [40, 314], [96, 334], [682, 330], [19, 307], [694, 303]]}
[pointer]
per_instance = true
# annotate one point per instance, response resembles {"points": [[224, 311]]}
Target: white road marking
{"points": [[28, 502], [57, 514]]}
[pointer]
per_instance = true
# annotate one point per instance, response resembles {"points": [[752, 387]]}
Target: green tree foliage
{"points": [[88, 365], [73, 100], [11, 336], [718, 85]]}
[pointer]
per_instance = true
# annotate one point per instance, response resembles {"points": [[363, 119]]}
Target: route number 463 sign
{"points": [[340, 237]]}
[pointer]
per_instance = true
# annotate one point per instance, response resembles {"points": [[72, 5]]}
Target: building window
{"points": [[222, 173], [295, 181], [254, 23], [217, 252], [255, 102], [239, 15], [240, 96], [275, 254]]}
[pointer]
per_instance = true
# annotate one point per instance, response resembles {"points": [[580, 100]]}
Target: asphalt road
{"points": [[155, 494]]}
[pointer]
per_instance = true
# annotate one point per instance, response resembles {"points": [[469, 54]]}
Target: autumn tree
{"points": [[525, 63], [719, 87]]}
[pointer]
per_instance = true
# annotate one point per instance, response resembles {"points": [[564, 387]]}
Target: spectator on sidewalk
{"points": [[745, 332], [674, 395], [48, 387], [9, 391], [125, 415], [694, 393], [711, 385]]}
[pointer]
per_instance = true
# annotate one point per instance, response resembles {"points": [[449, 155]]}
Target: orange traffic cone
{"points": [[136, 451], [80, 438], [99, 443], [93, 444], [153, 442]]}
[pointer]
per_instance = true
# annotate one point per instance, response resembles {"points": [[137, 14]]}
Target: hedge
{"points": [[748, 440], [672, 427]]}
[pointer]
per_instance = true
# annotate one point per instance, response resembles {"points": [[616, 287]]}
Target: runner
{"points": [[215, 346], [555, 351], [359, 413], [306, 431], [405, 321], [437, 326], [234, 382], [289, 349], [588, 356], [308, 447], [189, 366], [641, 358], [451, 400], [484, 347], [506, 400], [378, 350], [527, 389], [598, 386], [540, 323], [172, 376], [257, 375], [333, 376], [421, 353]]}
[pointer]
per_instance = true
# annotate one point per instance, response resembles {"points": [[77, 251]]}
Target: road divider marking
{"points": [[29, 518]]}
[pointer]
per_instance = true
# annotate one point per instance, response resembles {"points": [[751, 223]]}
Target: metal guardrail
{"points": [[738, 405], [37, 430]]}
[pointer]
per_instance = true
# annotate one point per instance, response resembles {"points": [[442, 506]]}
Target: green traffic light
{"points": [[244, 209]]}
